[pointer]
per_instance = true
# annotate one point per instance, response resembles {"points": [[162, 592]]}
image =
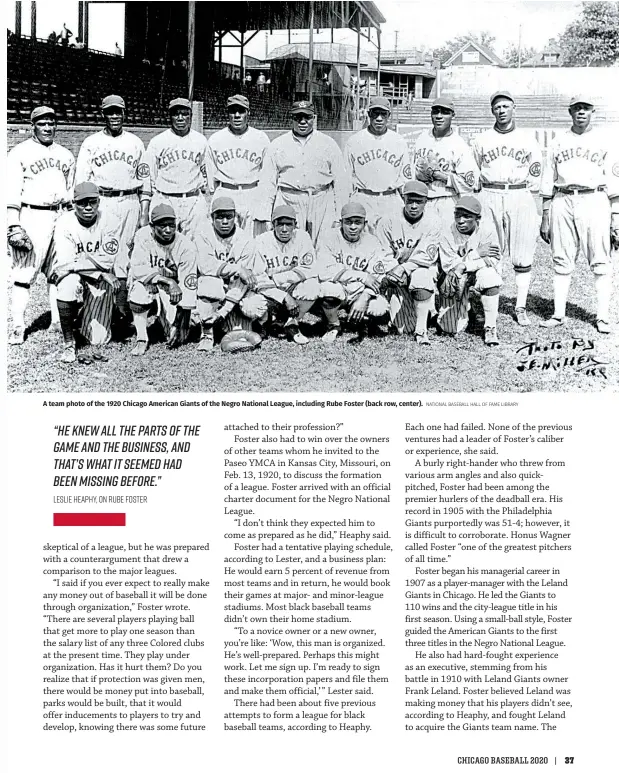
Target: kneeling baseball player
{"points": [[469, 257], [84, 248], [351, 268], [162, 279]]}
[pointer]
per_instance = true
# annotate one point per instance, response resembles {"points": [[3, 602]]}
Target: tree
{"points": [[593, 38], [448, 49], [510, 55]]}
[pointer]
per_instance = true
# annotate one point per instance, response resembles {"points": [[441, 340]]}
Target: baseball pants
{"points": [[244, 199], [441, 208], [126, 211], [212, 292], [191, 211], [515, 218], [580, 222], [379, 207], [454, 309], [97, 301], [315, 211], [409, 305], [39, 225]]}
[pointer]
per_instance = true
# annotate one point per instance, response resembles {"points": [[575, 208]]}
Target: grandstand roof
{"points": [[339, 53]]}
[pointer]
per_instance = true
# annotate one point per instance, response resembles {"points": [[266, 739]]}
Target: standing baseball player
{"points": [[510, 161], [411, 238], [378, 161], [229, 270], [236, 154], [178, 161], [580, 201], [351, 267], [290, 260], [113, 159], [444, 162], [305, 170], [83, 255], [39, 181], [162, 271], [469, 257]]}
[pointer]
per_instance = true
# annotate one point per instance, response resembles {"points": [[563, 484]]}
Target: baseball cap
{"points": [[502, 93], [112, 101], [223, 203], [161, 212], [302, 106], [85, 191], [353, 209], [40, 111], [585, 99], [469, 204], [379, 103], [284, 210], [415, 188], [238, 99], [444, 102], [179, 102]]}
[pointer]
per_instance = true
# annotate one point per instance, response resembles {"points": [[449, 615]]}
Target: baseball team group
{"points": [[244, 236]]}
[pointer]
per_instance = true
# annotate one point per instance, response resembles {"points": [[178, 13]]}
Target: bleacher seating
{"points": [[73, 82]]}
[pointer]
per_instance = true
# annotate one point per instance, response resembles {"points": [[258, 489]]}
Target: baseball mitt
{"points": [[425, 166], [454, 283], [240, 341], [614, 238], [18, 239], [179, 331]]}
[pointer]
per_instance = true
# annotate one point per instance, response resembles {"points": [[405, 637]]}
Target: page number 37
{"points": [[569, 760]]}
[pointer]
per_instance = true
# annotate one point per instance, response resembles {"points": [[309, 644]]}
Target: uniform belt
{"points": [[504, 186], [240, 187], [312, 192], [577, 191], [108, 192], [197, 192], [368, 192], [48, 207]]}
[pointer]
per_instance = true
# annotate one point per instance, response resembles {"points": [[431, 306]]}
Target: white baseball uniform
{"points": [[453, 156], [510, 167], [115, 164], [237, 160], [581, 177], [379, 165], [89, 252], [309, 174], [39, 183], [178, 176], [291, 266]]}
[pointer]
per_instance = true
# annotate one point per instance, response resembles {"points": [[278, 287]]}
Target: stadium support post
{"points": [[378, 70], [18, 18], [358, 89], [191, 49], [311, 50], [33, 20]]}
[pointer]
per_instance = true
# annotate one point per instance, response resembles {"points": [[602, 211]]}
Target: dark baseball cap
{"points": [[284, 210], [444, 102], [112, 101], [469, 204], [379, 103], [415, 188], [353, 209], [238, 99], [162, 212], [223, 204], [40, 111], [179, 102], [85, 191], [502, 94], [302, 106]]}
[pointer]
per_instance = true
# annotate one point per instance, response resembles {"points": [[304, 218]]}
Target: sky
{"points": [[419, 24]]}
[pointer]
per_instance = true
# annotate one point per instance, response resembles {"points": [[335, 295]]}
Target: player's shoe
{"points": [[330, 336], [522, 318], [422, 338], [300, 339], [98, 354], [54, 328], [140, 348], [207, 343], [490, 336], [17, 336], [68, 354], [602, 326], [552, 322]]}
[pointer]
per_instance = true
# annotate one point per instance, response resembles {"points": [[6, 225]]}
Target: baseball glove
{"points": [[240, 341], [454, 283], [18, 239], [425, 166], [180, 328], [614, 237]]}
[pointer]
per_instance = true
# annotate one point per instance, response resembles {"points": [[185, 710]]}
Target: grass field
{"points": [[393, 364]]}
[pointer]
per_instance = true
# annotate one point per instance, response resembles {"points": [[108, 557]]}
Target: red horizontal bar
{"points": [[89, 519]]}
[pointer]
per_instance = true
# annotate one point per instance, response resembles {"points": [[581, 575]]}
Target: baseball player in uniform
{"points": [[39, 181], [304, 169], [113, 159], [351, 267], [162, 271], [229, 271], [178, 160], [444, 162], [236, 154], [83, 254], [290, 260], [580, 195], [378, 161], [412, 239], [469, 256], [510, 161]]}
